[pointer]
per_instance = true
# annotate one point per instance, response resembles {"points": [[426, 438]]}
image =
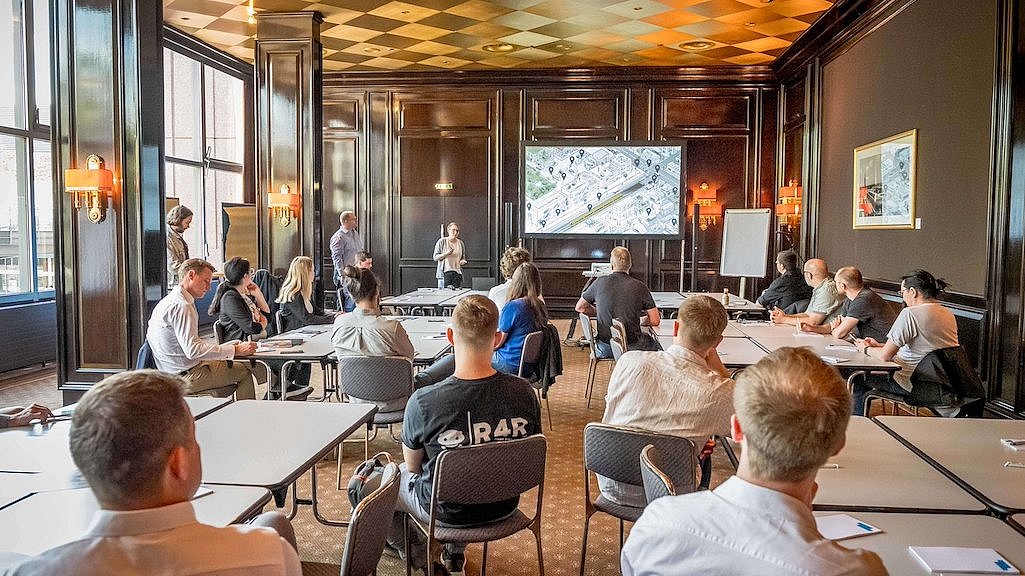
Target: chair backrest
{"points": [[483, 282], [279, 321], [531, 351], [588, 331], [656, 483], [614, 452], [375, 378], [617, 347], [145, 359], [619, 329], [491, 472], [946, 377], [219, 331], [368, 528]]}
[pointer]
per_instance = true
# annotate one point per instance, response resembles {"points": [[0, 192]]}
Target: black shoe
{"points": [[439, 570], [454, 561], [395, 551]]}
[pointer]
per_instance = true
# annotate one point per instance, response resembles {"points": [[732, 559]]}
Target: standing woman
{"points": [[178, 221], [450, 254]]}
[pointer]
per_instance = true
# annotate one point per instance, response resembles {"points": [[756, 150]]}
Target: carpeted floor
{"points": [[320, 547]]}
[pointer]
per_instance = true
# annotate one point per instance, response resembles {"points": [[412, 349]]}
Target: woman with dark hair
{"points": [[242, 310], [923, 326], [178, 221]]}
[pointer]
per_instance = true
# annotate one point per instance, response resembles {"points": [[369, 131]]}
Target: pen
{"points": [[1010, 464], [1012, 442], [830, 467]]}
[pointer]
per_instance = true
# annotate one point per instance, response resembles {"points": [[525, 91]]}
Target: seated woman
{"points": [[243, 312], [923, 326], [365, 332], [296, 297]]}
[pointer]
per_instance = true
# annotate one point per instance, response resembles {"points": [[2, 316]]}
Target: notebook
{"points": [[955, 560]]}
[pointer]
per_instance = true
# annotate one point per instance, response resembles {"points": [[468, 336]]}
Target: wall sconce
{"points": [[284, 205], [710, 209], [92, 186], [789, 208]]}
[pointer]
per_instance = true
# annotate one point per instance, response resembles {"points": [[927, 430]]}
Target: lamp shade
{"points": [[707, 209], [283, 200], [788, 209], [791, 191], [705, 193], [82, 179]]}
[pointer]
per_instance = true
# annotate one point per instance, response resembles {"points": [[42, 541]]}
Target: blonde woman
{"points": [[296, 297], [450, 254]]}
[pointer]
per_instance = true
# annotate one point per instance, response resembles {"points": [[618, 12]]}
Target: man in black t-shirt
{"points": [[476, 405], [621, 296], [864, 314], [790, 288]]}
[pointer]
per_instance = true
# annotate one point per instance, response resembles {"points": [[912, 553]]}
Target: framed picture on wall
{"points": [[884, 182]]}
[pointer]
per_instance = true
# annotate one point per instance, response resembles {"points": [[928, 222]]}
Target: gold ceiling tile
{"points": [[810, 18], [560, 29], [659, 53], [403, 11], [182, 28], [665, 37], [433, 48], [561, 47], [238, 13], [767, 43], [599, 54], [448, 21], [394, 41], [478, 10], [717, 8], [490, 30], [696, 59], [350, 58], [723, 52], [596, 38], [223, 39], [633, 28], [595, 20], [419, 31], [335, 44], [781, 26], [533, 54], [470, 55], [459, 40], [674, 19], [683, 3], [232, 26], [406, 56], [367, 49], [281, 5], [522, 20], [637, 9], [750, 59], [798, 7], [736, 36], [206, 7], [242, 52], [386, 63], [631, 45], [752, 3], [249, 43], [503, 61], [527, 39], [371, 22], [517, 4], [745, 16], [189, 19], [346, 32], [334, 14], [361, 6], [558, 9], [436, 4], [336, 66], [445, 62], [706, 28]]}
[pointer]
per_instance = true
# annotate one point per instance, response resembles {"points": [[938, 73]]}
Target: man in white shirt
{"points": [[511, 260], [685, 390], [173, 335], [134, 441], [791, 416], [345, 244]]}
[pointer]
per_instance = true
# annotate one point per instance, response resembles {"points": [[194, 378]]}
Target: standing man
{"points": [[791, 416], [345, 244], [134, 440], [173, 335], [619, 295], [790, 288], [864, 313], [825, 299]]}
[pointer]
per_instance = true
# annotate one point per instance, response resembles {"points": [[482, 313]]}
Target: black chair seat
{"points": [[487, 532], [384, 418], [628, 513]]}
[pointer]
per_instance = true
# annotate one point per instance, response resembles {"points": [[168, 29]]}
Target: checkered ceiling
{"points": [[486, 35]]}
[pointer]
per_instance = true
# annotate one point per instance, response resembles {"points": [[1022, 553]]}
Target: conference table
{"points": [[48, 519], [954, 530], [272, 444], [733, 352], [449, 304], [667, 327], [423, 299], [669, 302], [840, 353], [970, 452]]}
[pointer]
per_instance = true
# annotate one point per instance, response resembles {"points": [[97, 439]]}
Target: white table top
{"points": [[734, 352], [970, 450], [423, 297], [775, 336], [423, 324], [902, 530], [205, 405], [667, 326], [737, 304], [41, 448], [315, 344], [667, 300], [270, 444], [451, 302], [876, 472], [48, 519]]}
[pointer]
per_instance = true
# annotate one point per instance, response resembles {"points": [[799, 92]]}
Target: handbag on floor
{"points": [[367, 477]]}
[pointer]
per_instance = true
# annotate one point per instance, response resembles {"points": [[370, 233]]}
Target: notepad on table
{"points": [[841, 526], [277, 344], [833, 359], [962, 560]]}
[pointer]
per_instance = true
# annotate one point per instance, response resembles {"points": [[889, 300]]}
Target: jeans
{"points": [[874, 382], [409, 503], [453, 279]]}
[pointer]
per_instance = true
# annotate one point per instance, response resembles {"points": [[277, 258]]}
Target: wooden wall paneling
{"points": [[107, 281], [344, 172], [511, 133], [384, 220]]}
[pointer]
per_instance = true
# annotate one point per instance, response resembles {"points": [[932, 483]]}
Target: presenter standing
{"points": [[178, 221], [450, 254]]}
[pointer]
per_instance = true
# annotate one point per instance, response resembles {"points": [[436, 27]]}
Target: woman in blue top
{"points": [[525, 312]]}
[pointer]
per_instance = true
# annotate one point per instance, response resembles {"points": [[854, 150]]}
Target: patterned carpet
{"points": [[320, 547]]}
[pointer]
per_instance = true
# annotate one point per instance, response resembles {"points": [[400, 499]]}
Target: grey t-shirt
{"points": [[826, 300], [874, 315], [622, 296], [918, 331]]}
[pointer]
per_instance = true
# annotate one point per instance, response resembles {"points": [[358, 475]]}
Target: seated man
{"points": [[173, 335], [18, 416], [685, 391], [792, 413], [477, 404], [346, 303], [619, 295], [923, 326], [790, 287], [511, 260], [864, 313], [134, 441], [825, 299]]}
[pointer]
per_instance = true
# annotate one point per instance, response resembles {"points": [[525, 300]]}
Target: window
{"points": [[26, 186], [204, 147]]}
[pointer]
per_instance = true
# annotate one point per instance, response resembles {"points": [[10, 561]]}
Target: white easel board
{"points": [[745, 242]]}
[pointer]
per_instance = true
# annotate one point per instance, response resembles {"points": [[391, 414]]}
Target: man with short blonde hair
{"points": [[791, 416], [684, 391], [620, 259], [621, 297], [134, 440]]}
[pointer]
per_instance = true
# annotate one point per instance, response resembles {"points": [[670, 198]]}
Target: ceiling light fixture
{"points": [[498, 47], [749, 24], [697, 45], [371, 50], [251, 11]]}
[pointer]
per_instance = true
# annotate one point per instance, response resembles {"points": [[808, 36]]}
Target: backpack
{"points": [[367, 477]]}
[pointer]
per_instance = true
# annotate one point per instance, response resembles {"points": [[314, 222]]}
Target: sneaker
{"points": [[454, 561]]}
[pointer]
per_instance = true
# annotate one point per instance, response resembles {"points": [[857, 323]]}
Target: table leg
{"points": [[313, 501]]}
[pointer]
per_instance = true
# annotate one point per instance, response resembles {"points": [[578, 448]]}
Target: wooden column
{"points": [[288, 135], [109, 102]]}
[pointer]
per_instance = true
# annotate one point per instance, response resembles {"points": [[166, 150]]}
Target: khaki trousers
{"points": [[213, 374]]}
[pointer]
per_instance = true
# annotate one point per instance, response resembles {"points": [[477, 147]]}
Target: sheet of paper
{"points": [[841, 526], [962, 560], [833, 359]]}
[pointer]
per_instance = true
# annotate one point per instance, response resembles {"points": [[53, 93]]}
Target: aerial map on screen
{"points": [[613, 190]]}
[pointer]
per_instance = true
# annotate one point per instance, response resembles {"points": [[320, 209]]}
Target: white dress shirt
{"points": [[344, 246], [672, 392], [737, 529], [166, 541], [173, 335]]}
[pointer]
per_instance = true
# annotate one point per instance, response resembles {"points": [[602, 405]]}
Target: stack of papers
{"points": [[962, 560], [841, 526], [833, 359]]}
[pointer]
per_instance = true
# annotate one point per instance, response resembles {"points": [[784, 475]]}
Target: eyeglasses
{"points": [[807, 273]]}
